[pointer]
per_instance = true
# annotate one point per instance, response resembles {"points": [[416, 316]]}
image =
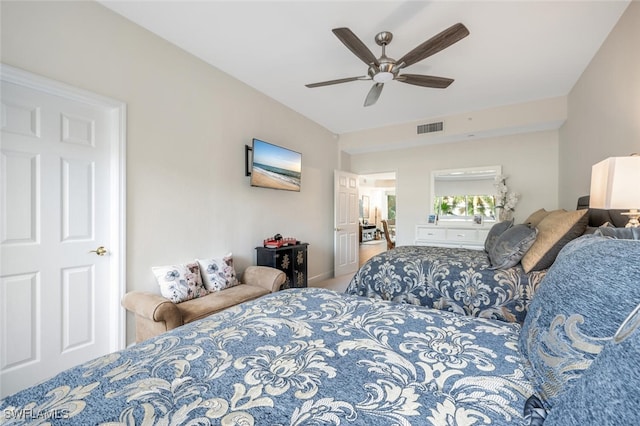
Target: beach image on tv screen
{"points": [[275, 167]]}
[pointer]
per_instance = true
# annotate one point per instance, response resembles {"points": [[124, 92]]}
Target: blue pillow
{"points": [[511, 246], [586, 294], [608, 391], [495, 231], [621, 233]]}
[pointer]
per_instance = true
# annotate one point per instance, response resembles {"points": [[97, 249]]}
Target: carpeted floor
{"points": [[338, 284], [367, 251]]}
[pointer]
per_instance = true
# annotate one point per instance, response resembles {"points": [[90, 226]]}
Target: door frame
{"points": [[117, 197], [377, 174]]}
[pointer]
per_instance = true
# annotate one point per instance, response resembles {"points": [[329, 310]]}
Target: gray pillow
{"points": [[495, 231], [511, 246], [620, 233]]}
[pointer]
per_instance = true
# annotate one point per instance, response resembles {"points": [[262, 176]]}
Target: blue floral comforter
{"points": [[453, 279], [297, 357]]}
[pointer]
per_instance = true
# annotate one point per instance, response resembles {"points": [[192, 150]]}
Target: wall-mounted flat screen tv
{"points": [[275, 167]]}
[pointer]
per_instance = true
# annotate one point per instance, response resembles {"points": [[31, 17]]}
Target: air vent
{"points": [[431, 127]]}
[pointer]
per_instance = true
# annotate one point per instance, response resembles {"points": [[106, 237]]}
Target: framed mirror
{"points": [[464, 194]]}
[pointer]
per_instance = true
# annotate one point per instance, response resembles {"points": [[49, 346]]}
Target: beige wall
{"points": [[188, 124], [521, 138], [604, 108], [549, 168], [530, 160], [526, 117], [187, 195]]}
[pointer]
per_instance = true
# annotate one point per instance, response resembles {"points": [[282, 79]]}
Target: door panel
{"points": [[20, 224], [56, 297], [77, 194], [20, 345], [347, 226], [78, 293]]}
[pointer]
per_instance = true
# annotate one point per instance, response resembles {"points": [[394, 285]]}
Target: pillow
{"points": [[607, 393], [590, 230], [578, 306], [554, 231], [535, 217], [622, 233], [218, 273], [181, 282], [511, 246], [495, 231]]}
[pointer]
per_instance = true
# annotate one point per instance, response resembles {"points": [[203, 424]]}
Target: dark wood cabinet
{"points": [[292, 260]]}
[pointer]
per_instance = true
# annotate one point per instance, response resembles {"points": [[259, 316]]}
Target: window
{"points": [[460, 194], [464, 206]]}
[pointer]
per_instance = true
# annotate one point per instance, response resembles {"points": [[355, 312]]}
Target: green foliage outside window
{"points": [[391, 207], [464, 206]]}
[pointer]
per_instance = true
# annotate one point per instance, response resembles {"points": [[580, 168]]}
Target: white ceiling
{"points": [[517, 51]]}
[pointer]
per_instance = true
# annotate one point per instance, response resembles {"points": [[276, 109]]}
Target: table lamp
{"points": [[615, 184]]}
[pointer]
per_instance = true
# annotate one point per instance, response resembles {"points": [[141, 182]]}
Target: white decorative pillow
{"points": [[218, 273], [179, 283]]}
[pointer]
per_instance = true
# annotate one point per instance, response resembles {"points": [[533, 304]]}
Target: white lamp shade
{"points": [[615, 183]]}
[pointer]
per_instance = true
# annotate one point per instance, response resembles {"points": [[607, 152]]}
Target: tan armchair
{"points": [[156, 314]]}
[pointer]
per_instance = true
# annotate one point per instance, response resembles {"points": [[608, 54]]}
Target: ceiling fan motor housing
{"points": [[387, 70], [383, 38]]}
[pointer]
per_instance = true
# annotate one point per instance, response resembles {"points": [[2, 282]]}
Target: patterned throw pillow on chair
{"points": [[180, 282], [218, 273]]}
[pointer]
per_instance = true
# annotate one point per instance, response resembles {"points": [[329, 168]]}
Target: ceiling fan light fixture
{"points": [[383, 77]]}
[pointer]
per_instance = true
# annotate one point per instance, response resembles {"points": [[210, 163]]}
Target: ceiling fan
{"points": [[384, 69]]}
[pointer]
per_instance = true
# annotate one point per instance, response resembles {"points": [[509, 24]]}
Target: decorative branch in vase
{"points": [[505, 201]]}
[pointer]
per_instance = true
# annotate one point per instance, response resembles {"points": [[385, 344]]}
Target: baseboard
{"points": [[321, 277]]}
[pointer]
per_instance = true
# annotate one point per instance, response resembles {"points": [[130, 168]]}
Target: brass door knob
{"points": [[100, 251]]}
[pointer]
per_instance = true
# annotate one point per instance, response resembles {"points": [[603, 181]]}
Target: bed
{"points": [[453, 279], [300, 356], [464, 281], [314, 357]]}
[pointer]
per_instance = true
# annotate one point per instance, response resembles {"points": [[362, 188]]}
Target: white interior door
{"points": [[58, 291], [347, 229]]}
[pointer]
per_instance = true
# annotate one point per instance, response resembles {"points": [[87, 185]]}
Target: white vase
{"points": [[504, 214]]}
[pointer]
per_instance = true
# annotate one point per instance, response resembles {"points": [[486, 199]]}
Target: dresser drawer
{"points": [[451, 236], [431, 234], [462, 235]]}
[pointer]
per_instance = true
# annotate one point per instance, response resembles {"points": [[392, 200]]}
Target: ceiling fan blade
{"points": [[425, 80], [435, 44], [356, 45], [374, 94], [338, 81]]}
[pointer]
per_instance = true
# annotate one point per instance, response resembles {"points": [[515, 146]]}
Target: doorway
{"points": [[377, 192]]}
